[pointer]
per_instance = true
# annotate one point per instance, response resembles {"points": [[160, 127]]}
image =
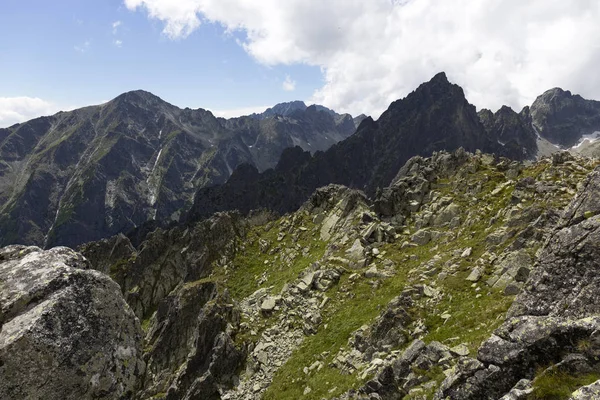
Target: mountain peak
{"points": [[438, 88], [284, 109], [138, 97], [440, 77]]}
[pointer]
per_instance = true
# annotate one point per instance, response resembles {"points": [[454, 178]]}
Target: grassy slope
{"points": [[356, 303]]}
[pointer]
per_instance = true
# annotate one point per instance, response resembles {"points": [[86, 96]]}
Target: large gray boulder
{"points": [[65, 330]]}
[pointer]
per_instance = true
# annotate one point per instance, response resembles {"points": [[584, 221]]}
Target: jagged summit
{"points": [[436, 116]]}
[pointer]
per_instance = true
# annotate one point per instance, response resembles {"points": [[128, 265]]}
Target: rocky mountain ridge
{"points": [[97, 171], [436, 116], [138, 162]]}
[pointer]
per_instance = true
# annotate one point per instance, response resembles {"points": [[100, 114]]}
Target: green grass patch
{"points": [[352, 305], [249, 264], [559, 385]]}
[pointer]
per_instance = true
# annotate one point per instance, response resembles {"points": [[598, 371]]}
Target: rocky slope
{"points": [[390, 298], [551, 328], [97, 171], [66, 331]]}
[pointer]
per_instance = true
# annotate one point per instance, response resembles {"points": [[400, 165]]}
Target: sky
{"points": [[236, 57]]}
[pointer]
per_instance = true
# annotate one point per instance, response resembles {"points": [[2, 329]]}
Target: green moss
{"points": [[146, 324], [559, 385], [119, 269]]}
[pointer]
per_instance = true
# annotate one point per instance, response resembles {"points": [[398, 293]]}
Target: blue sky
{"points": [[79, 52], [238, 56]]}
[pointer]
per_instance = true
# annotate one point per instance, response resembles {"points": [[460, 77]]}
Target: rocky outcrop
{"points": [[190, 349], [166, 258], [190, 323], [66, 331], [410, 188], [555, 320]]}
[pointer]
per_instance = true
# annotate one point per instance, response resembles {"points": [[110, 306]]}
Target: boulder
{"points": [[591, 391], [66, 331], [269, 304], [447, 214], [421, 237], [356, 252], [475, 275]]}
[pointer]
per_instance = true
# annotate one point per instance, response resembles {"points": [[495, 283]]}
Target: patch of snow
{"points": [[153, 191], [589, 139], [503, 144], [160, 133], [156, 162]]}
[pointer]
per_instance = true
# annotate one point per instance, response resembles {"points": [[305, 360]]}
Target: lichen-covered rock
{"points": [[591, 391], [66, 331]]}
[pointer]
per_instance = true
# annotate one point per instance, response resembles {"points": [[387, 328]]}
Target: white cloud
{"points": [[288, 85], [373, 52], [115, 27], [83, 48], [20, 109], [180, 16], [238, 112], [118, 43]]}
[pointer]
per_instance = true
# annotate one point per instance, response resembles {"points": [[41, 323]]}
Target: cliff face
{"points": [[563, 118]]}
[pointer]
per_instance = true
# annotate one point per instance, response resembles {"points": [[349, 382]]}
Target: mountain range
{"points": [[436, 116], [93, 172], [138, 161]]}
